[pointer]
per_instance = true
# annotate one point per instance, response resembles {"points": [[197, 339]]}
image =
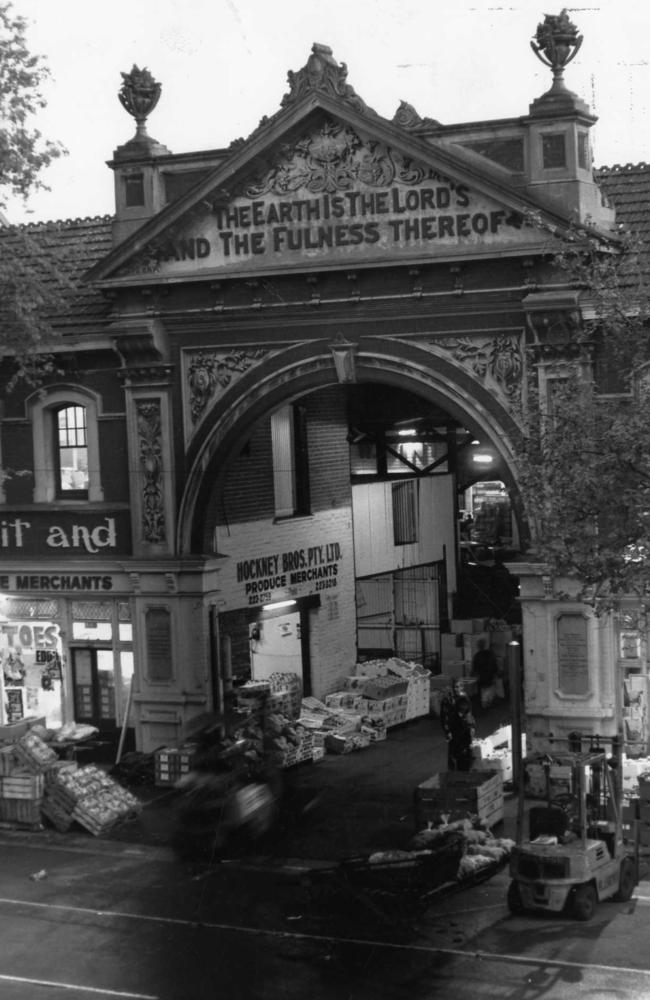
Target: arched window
{"points": [[71, 451], [66, 446]]}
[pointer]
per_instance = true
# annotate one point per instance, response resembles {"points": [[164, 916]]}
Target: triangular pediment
{"points": [[329, 183]]}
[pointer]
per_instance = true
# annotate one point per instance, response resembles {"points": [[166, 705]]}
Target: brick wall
{"points": [[247, 492]]}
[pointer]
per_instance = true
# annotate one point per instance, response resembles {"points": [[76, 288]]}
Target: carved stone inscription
{"points": [[334, 196]]}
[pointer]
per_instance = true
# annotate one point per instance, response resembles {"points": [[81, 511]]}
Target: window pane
{"points": [[92, 631], [420, 455], [405, 512], [553, 150], [72, 447], [363, 458], [284, 472]]}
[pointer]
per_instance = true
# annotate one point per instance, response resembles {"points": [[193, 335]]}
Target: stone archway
{"points": [[475, 392]]}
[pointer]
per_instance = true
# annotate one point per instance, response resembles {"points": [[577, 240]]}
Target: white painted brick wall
{"points": [[333, 624]]}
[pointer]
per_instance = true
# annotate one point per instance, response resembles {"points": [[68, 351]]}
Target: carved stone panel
{"points": [[497, 362], [149, 430], [210, 373]]}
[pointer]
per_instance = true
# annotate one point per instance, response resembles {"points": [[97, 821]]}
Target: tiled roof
{"points": [[64, 249], [628, 189], [72, 246]]}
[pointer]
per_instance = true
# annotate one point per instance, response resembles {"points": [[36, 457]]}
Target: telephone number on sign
{"points": [[325, 584], [259, 598]]}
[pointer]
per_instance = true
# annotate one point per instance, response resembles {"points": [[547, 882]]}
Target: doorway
{"points": [[276, 646], [94, 690]]}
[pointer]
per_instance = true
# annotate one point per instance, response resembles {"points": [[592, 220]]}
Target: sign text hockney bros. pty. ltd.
{"points": [[310, 569]]}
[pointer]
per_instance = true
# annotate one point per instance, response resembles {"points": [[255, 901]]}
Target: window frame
{"points": [[43, 410], [57, 447], [290, 482], [405, 500]]}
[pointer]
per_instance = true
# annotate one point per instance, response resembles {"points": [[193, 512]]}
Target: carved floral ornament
{"points": [[497, 360], [334, 158], [209, 374], [149, 429]]}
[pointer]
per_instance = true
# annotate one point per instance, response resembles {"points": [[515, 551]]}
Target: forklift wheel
{"points": [[626, 882], [515, 904], [584, 902]]}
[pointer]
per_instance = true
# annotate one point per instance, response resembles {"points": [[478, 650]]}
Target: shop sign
{"points": [[64, 533], [309, 570], [335, 198], [55, 583]]}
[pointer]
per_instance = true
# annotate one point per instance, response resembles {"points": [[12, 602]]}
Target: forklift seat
{"points": [[547, 821]]}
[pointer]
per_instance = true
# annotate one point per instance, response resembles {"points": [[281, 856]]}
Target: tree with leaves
{"points": [[584, 459], [32, 285], [24, 152]]}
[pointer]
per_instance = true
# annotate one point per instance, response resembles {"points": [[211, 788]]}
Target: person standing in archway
{"points": [[485, 668], [458, 726]]}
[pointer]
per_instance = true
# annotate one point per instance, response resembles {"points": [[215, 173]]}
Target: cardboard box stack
{"points": [[396, 690], [334, 727], [454, 795], [286, 694], [494, 753], [458, 646]]}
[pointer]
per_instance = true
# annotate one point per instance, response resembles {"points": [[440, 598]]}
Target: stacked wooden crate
{"points": [[457, 795], [89, 797], [23, 766]]}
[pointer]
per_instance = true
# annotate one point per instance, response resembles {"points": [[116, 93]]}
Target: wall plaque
{"points": [[158, 632], [572, 655]]}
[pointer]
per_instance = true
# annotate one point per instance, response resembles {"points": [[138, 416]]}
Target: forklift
{"points": [[575, 855]]}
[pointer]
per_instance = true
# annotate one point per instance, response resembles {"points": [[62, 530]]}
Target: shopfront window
{"points": [[31, 671]]}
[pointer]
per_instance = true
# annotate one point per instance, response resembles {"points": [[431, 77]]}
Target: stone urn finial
{"points": [[555, 44], [139, 95]]}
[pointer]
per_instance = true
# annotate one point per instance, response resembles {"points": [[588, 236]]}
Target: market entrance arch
{"points": [[431, 374]]}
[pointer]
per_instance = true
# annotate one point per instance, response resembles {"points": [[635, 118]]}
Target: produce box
{"points": [[8, 760], [34, 753], [385, 687], [351, 700], [14, 730], [99, 813], [171, 763], [59, 816], [52, 771], [457, 795], [23, 812], [21, 784]]}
